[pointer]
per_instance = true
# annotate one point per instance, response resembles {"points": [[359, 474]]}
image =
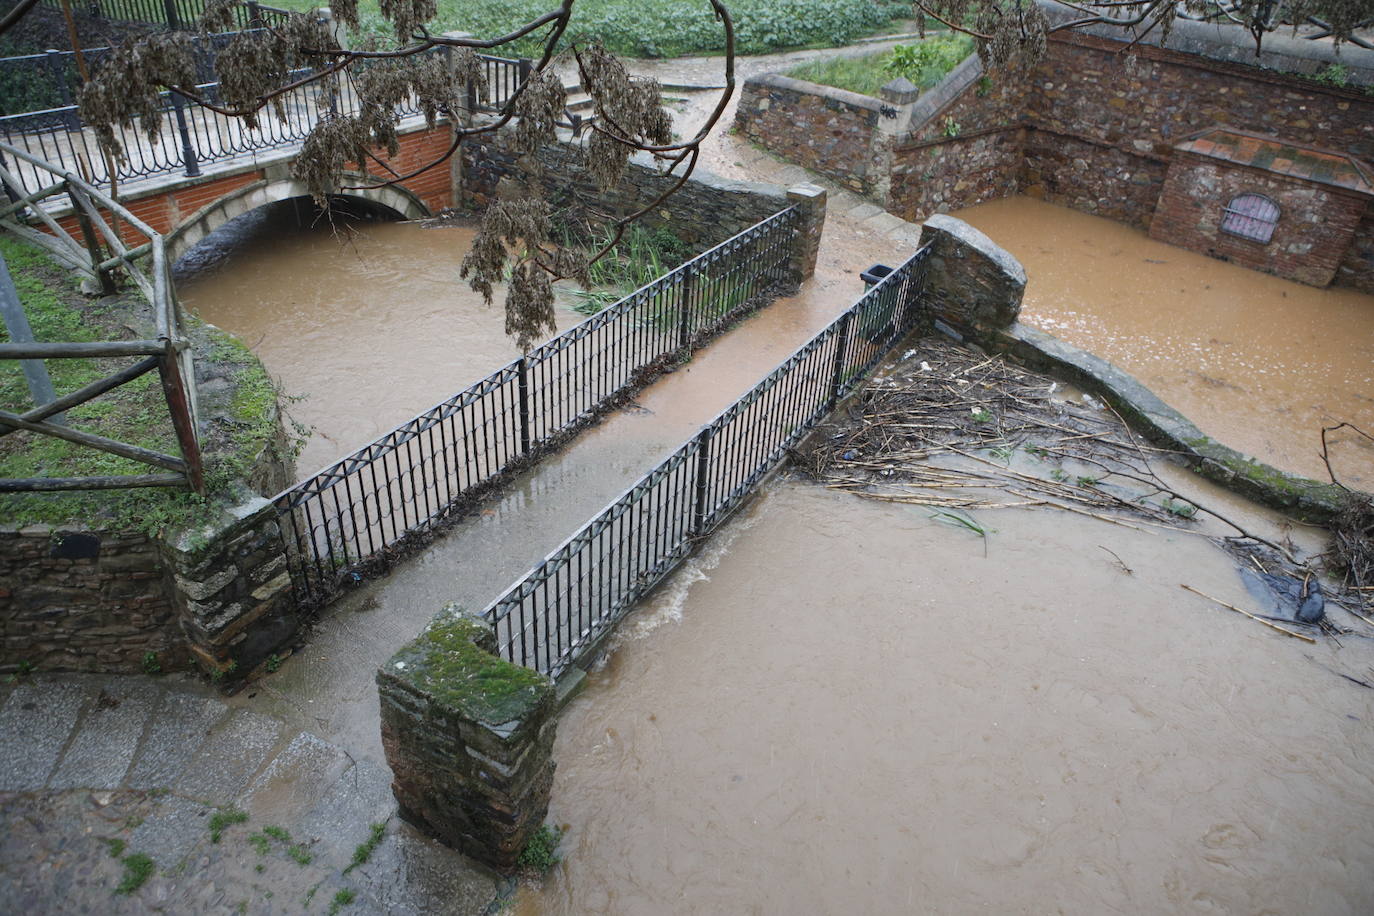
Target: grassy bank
{"points": [[233, 433], [924, 64], [666, 28]]}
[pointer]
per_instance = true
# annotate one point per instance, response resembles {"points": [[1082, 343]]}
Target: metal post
{"points": [[182, 421], [524, 386], [188, 150], [841, 354], [57, 69], [17, 323], [169, 8], [255, 20], [703, 468], [684, 328], [524, 67]]}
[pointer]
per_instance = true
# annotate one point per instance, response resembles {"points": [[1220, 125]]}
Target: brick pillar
{"points": [[469, 738], [810, 200]]}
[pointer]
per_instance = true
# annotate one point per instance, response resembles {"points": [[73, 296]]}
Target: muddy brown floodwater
{"points": [[842, 706], [368, 324], [1259, 363]]}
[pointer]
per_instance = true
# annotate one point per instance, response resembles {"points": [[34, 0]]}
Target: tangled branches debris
{"points": [[954, 429]]}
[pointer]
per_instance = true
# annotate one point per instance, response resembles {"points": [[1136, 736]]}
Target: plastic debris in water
{"points": [[849, 455]]}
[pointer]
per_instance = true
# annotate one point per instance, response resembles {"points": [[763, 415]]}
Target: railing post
{"points": [[684, 327], [180, 409], [169, 9], [57, 69], [255, 20], [188, 150], [83, 219], [841, 355], [523, 68], [703, 469], [524, 386]]}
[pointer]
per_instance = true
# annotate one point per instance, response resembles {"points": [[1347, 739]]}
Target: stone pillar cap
{"points": [[805, 191], [900, 91]]}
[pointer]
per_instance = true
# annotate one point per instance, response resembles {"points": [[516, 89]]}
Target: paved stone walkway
{"points": [[91, 766]]}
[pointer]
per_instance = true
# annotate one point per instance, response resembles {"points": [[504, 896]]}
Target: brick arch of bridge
{"points": [[405, 203]]}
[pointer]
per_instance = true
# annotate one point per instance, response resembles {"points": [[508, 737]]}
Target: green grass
{"points": [[135, 413], [541, 852], [364, 850], [663, 28], [138, 868], [641, 256], [924, 63], [223, 818], [342, 899]]}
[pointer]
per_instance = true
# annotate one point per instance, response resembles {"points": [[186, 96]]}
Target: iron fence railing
{"points": [[40, 117], [343, 524], [172, 14], [564, 605]]}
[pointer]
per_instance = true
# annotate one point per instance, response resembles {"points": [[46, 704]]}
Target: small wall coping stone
{"points": [[900, 91], [844, 96]]}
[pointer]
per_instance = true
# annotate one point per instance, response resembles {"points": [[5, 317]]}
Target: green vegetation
{"points": [[223, 818], [342, 899], [135, 413], [151, 665], [365, 849], [665, 28], [138, 868], [273, 663], [924, 64], [115, 845], [541, 852], [641, 256]]}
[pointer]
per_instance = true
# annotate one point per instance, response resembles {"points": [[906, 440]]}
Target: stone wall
{"points": [[1315, 225], [85, 600], [704, 212], [830, 131], [1094, 129]]}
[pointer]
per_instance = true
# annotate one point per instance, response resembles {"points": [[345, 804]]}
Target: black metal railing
{"points": [[190, 136], [344, 523], [172, 14], [566, 604]]}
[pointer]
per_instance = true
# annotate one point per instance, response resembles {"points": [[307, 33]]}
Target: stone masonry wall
{"points": [[830, 131], [1357, 270], [1094, 129], [1314, 228], [706, 211], [84, 600]]}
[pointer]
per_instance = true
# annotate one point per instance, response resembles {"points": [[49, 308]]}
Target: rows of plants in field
{"points": [[666, 28]]}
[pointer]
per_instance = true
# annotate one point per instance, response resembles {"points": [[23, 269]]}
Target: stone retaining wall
{"points": [[704, 212], [835, 133], [79, 599], [1087, 127]]}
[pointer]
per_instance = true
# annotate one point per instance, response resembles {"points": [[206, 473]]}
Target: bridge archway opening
{"points": [[276, 210]]}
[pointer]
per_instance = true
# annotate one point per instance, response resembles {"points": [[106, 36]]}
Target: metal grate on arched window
{"points": [[1251, 216]]}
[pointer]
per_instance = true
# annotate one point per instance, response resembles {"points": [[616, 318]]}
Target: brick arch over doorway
{"points": [[403, 202]]}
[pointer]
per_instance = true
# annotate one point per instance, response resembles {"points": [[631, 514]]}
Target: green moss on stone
{"points": [[447, 663]]}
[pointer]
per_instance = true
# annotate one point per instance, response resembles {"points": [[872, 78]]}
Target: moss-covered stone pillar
{"points": [[469, 738], [810, 200]]}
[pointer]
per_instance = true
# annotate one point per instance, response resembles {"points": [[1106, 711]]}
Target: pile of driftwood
{"points": [[954, 429]]}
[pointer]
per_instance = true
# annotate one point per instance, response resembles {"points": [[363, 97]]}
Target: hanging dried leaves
{"points": [[407, 15], [125, 91]]}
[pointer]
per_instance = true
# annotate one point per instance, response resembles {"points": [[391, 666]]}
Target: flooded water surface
{"points": [[1259, 363], [367, 323], [845, 707]]}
